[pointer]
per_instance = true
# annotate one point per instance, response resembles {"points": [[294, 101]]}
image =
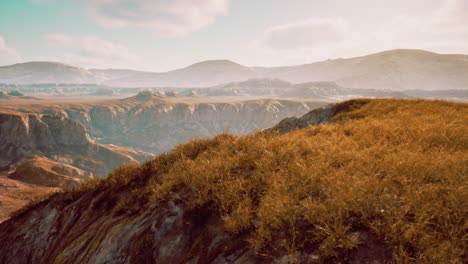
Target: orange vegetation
{"points": [[395, 168]]}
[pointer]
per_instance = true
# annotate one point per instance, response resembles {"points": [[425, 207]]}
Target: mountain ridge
{"points": [[399, 69]]}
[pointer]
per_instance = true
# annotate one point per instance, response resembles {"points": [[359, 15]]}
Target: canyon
{"points": [[157, 121]]}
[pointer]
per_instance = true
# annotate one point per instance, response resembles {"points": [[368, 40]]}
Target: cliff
{"points": [[155, 122], [57, 138]]}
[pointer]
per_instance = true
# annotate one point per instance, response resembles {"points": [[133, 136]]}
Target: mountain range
{"points": [[393, 69]]}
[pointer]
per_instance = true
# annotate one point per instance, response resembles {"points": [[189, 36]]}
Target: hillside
{"points": [[377, 181], [202, 74], [45, 72], [60, 139], [155, 122], [393, 69], [39, 153]]}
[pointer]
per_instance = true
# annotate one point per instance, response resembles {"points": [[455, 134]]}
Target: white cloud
{"points": [[443, 30], [305, 34], [8, 55], [90, 51], [173, 18], [90, 45]]}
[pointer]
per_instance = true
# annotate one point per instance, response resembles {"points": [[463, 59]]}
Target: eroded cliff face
{"points": [[60, 139], [91, 232], [154, 122], [92, 228], [315, 117], [40, 153]]}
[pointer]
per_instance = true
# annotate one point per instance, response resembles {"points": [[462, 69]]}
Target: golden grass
{"points": [[396, 168]]}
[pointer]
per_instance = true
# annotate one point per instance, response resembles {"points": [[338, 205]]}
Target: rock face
{"points": [[314, 117], [40, 153], [165, 234], [57, 138], [156, 122]]}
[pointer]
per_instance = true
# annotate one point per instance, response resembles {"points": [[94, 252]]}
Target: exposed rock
{"points": [[57, 138], [156, 122], [314, 117]]}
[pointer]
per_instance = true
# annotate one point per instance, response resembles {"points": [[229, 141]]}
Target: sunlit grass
{"points": [[396, 168]]}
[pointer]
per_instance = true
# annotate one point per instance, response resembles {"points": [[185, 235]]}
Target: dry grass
{"points": [[396, 168]]}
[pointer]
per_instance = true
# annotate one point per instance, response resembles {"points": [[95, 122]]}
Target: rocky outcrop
{"points": [[57, 138], [163, 234], [315, 117], [91, 229]]}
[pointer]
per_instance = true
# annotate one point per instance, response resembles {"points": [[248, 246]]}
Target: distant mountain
{"points": [[394, 69], [201, 74], [311, 90], [45, 72], [113, 74]]}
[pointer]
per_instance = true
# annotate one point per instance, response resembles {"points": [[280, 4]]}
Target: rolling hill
{"points": [[45, 72]]}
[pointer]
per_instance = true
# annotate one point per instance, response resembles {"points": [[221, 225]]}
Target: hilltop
{"points": [[375, 181], [45, 72]]}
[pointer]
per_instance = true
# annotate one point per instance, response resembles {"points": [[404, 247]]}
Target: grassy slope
{"points": [[396, 168]]}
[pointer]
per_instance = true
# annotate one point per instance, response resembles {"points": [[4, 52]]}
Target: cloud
{"points": [[305, 34], [90, 51], [8, 55], [90, 45], [172, 18], [442, 30]]}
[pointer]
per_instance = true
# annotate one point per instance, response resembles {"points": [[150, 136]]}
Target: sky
{"points": [[161, 35]]}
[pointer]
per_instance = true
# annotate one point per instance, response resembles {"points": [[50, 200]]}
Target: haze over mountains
{"points": [[394, 70]]}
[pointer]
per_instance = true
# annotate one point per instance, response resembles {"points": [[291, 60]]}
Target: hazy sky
{"points": [[160, 35]]}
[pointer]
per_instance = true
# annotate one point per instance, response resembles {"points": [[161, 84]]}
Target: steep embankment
{"points": [[57, 138], [155, 122], [381, 180], [39, 153]]}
